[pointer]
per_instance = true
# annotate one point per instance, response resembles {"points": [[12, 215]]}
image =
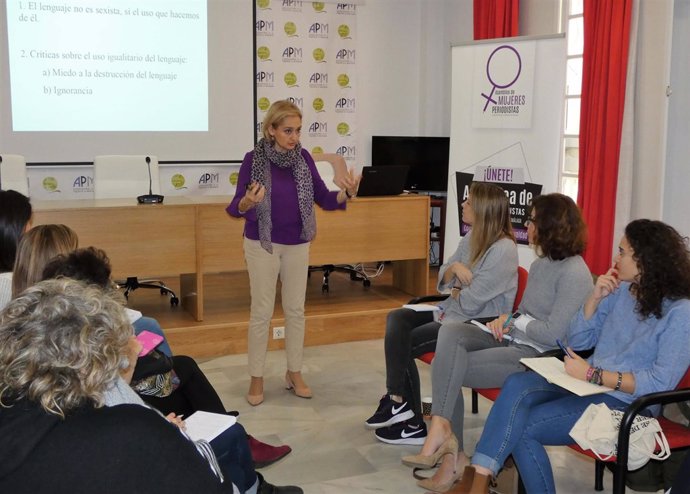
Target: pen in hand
{"points": [[565, 350]]}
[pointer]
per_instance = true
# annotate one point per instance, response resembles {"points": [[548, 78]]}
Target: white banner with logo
{"points": [[198, 179], [60, 182], [507, 104], [307, 53]]}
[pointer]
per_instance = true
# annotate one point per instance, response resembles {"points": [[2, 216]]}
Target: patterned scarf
{"points": [[264, 155]]}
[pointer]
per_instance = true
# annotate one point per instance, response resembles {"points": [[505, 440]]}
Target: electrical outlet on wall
{"points": [[279, 332]]}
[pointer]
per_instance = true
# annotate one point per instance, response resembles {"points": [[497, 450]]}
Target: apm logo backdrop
{"points": [[307, 53]]}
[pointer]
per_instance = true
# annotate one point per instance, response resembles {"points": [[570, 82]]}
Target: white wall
{"points": [[677, 179], [404, 66]]}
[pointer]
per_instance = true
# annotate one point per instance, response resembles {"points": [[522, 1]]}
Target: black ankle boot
{"points": [[266, 488]]}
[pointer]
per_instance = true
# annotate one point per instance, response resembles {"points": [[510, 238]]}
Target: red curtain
{"points": [[495, 18], [604, 66]]}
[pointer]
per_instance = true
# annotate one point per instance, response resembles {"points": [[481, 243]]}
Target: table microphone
{"points": [[150, 198], [0, 173]]}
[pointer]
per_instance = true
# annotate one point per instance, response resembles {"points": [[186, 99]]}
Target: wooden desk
{"points": [[192, 236]]}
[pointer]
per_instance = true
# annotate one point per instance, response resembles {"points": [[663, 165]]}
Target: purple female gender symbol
{"points": [[489, 98]]}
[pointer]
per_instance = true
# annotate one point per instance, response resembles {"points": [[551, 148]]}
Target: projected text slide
{"points": [[108, 65]]}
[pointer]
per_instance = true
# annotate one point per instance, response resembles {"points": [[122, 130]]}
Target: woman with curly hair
{"points": [[62, 345], [637, 318], [557, 285]]}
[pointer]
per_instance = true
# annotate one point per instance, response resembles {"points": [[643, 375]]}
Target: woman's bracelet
{"points": [[347, 193], [596, 377], [619, 382], [590, 373]]}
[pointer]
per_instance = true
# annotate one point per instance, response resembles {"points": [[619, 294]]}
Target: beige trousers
{"points": [[291, 263]]}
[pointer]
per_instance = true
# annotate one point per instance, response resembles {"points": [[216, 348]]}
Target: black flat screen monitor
{"points": [[427, 158]]}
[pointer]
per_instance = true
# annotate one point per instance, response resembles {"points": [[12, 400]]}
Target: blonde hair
{"points": [[62, 345], [491, 218], [278, 112], [36, 248]]}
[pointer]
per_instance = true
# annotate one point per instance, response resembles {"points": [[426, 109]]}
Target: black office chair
{"points": [[356, 274]]}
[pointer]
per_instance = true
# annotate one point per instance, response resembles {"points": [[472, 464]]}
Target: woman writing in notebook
{"points": [[637, 318], [482, 278], [557, 285]]}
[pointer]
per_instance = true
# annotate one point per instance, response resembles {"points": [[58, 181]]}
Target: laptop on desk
{"points": [[382, 180]]}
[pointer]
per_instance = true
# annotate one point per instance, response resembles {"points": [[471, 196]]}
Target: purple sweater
{"points": [[287, 224]]}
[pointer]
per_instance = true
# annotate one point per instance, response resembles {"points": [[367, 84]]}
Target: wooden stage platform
{"points": [[349, 312]]}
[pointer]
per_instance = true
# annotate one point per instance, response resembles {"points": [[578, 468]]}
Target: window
{"points": [[573, 26]]}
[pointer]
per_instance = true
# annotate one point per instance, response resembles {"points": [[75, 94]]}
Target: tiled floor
{"points": [[332, 451]]}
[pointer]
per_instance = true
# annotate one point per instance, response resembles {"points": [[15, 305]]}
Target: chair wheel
{"points": [[164, 291], [324, 288], [366, 283], [174, 301], [353, 276]]}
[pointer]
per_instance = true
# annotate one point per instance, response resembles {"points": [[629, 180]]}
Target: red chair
{"points": [[522, 283], [678, 435]]}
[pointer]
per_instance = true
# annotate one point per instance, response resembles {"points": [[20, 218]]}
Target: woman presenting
{"points": [[276, 190]]}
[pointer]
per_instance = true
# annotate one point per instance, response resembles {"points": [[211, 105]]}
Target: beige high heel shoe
{"points": [[255, 399], [300, 391], [430, 485], [449, 447]]}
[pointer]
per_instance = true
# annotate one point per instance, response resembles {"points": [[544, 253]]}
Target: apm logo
{"points": [[178, 181], [347, 152], [318, 105], [318, 129], [344, 31], [292, 54], [82, 184], [260, 129], [292, 6], [345, 105], [264, 28], [263, 53], [319, 7], [345, 56], [343, 81], [318, 30], [319, 55], [319, 79], [346, 9], [290, 79], [265, 79], [290, 29], [298, 102], [343, 129], [50, 184], [209, 181]]}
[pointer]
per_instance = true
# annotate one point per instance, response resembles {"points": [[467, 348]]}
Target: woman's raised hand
{"points": [[350, 182], [606, 284]]}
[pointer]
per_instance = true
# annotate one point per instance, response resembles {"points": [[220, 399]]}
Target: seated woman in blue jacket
{"points": [[637, 317]]}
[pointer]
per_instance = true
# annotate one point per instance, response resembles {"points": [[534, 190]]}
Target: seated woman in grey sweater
{"points": [[558, 283], [482, 278]]}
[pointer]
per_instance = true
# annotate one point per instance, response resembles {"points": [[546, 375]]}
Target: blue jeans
{"points": [[235, 457], [150, 324], [531, 413]]}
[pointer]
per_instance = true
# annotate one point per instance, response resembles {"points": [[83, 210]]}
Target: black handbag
{"points": [[151, 364]]}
